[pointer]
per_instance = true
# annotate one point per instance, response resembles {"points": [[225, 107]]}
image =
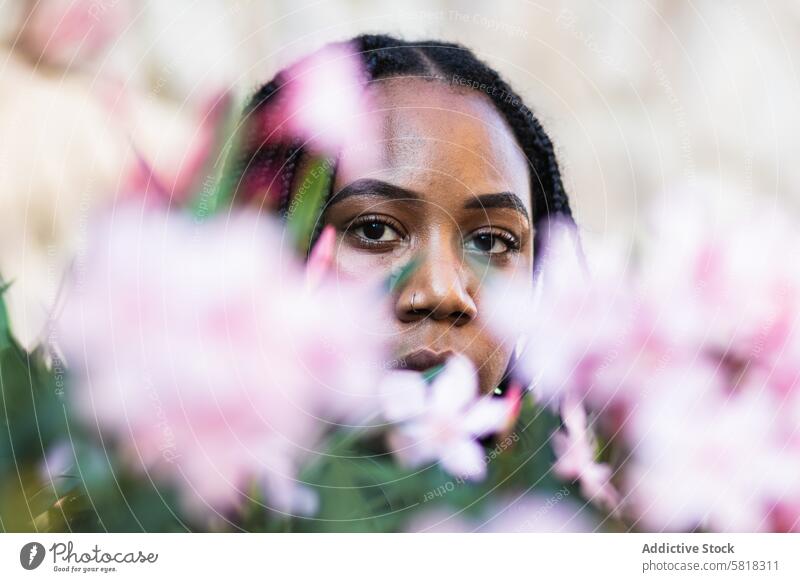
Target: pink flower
{"points": [[69, 32], [730, 267], [529, 513], [577, 320], [703, 457], [321, 256], [175, 183], [441, 422], [324, 103], [539, 513], [688, 355], [575, 449], [200, 351]]}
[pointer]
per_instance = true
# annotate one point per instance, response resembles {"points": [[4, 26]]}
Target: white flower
{"points": [[441, 422]]}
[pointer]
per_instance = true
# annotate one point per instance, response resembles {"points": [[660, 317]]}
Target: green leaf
{"points": [[216, 182], [526, 456], [305, 209], [6, 340], [360, 495]]}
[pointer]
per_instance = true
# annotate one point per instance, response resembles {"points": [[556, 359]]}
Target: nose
{"points": [[437, 289]]}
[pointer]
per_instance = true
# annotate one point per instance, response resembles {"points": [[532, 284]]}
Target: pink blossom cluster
{"points": [[201, 350], [685, 349], [204, 349]]}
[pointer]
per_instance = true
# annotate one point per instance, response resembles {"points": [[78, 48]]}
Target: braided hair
{"points": [[269, 166]]}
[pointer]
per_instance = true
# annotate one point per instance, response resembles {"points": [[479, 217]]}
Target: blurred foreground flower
{"points": [[70, 145], [201, 352], [65, 33], [319, 106], [521, 513], [442, 422], [575, 448], [702, 457], [322, 102], [687, 354]]}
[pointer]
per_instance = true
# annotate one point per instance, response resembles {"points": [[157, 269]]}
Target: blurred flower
{"points": [[539, 513], [176, 182], [64, 154], [729, 263], [575, 450], [688, 356], [701, 457], [529, 513], [321, 256], [441, 422], [323, 103], [715, 441], [60, 157], [576, 320], [714, 283], [200, 351], [65, 33]]}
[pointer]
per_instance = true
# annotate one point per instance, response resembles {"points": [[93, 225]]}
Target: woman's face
{"points": [[451, 189]]}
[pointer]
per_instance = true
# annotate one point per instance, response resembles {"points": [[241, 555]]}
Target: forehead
{"points": [[442, 140]]}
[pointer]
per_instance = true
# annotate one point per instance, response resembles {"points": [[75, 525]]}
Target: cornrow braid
{"points": [[266, 167]]}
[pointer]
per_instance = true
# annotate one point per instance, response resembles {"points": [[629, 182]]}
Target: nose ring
{"points": [[413, 296]]}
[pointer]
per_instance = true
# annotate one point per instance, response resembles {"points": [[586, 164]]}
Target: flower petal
{"points": [[409, 445], [455, 386], [488, 415], [464, 458], [402, 396]]}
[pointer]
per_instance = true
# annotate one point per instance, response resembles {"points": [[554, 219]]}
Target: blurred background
{"points": [[639, 97]]}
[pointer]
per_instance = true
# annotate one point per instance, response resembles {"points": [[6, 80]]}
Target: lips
{"points": [[422, 360]]}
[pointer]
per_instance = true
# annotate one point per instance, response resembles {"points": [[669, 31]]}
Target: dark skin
{"points": [[451, 188]]}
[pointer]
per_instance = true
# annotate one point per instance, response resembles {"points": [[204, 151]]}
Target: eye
{"points": [[492, 243], [374, 230], [377, 231]]}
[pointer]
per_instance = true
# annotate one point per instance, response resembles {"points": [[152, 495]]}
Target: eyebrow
{"points": [[498, 200], [376, 188], [381, 189]]}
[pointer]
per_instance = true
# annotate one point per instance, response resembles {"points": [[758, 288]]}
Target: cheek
{"points": [[490, 354], [362, 266], [493, 362]]}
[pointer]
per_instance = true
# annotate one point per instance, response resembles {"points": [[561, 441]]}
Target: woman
{"points": [[464, 177]]}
